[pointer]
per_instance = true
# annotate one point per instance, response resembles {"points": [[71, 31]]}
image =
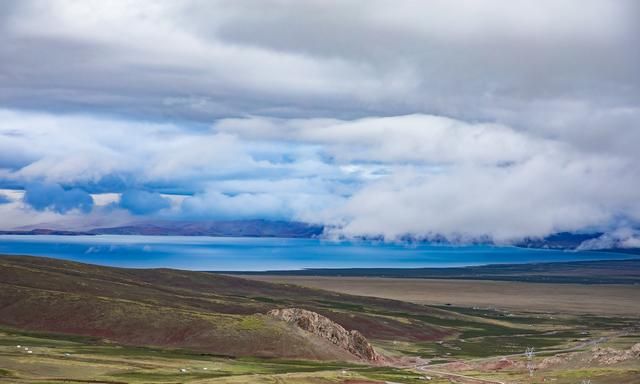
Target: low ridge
{"points": [[322, 326], [199, 311]]}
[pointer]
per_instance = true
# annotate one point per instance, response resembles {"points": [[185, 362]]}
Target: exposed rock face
{"points": [[608, 356], [552, 361], [321, 326], [598, 355]]}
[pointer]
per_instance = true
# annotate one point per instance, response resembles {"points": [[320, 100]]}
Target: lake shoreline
{"points": [[259, 254]]}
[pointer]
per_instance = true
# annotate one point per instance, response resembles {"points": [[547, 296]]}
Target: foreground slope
{"points": [[131, 316], [128, 308], [197, 310]]}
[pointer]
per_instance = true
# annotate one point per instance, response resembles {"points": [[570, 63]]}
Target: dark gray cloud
{"points": [[143, 202], [200, 60], [42, 196]]}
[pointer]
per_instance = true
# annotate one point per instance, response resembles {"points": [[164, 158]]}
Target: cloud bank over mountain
{"points": [[457, 118]]}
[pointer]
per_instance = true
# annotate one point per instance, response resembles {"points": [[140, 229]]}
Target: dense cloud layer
{"points": [[43, 196], [461, 118], [143, 202]]}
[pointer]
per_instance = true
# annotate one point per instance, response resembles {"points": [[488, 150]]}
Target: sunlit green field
{"points": [[39, 358], [56, 359]]}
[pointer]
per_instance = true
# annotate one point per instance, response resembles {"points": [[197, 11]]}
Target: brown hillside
{"points": [[197, 310]]}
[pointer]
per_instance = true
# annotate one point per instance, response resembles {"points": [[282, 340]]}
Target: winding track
{"points": [[468, 379], [426, 368]]}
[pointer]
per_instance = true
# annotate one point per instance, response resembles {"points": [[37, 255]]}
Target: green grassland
{"points": [[86, 323], [56, 359]]}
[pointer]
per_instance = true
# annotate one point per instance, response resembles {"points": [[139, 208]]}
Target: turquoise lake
{"points": [[259, 254]]}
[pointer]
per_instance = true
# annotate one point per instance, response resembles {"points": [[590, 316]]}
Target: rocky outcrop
{"points": [[321, 326], [609, 356], [598, 355]]}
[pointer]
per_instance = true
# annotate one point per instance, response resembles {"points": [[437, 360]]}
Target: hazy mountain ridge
{"points": [[45, 231], [239, 228], [581, 272], [293, 229], [230, 228]]}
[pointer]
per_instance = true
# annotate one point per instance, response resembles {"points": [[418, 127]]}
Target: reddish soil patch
{"points": [[498, 365], [351, 381], [458, 366]]}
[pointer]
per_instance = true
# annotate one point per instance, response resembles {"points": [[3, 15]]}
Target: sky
{"points": [[461, 118]]}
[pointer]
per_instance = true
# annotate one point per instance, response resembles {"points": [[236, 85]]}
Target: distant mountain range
{"points": [[267, 228], [44, 231], [572, 272], [232, 228]]}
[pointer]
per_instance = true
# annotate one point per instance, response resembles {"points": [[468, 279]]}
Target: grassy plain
{"points": [[601, 299], [73, 359], [61, 358]]}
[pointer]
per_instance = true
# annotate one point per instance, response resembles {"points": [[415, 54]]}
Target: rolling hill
{"points": [[201, 311]]}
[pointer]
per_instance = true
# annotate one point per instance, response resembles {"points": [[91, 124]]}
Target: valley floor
{"points": [[600, 299]]}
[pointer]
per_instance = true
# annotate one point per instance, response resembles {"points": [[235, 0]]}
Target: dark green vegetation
{"points": [[61, 358], [543, 332], [577, 272]]}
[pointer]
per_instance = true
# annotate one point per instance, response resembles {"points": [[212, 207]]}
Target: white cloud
{"points": [[257, 205], [539, 197], [416, 174], [331, 114], [75, 149], [619, 238], [411, 138], [15, 215], [205, 59], [448, 177]]}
